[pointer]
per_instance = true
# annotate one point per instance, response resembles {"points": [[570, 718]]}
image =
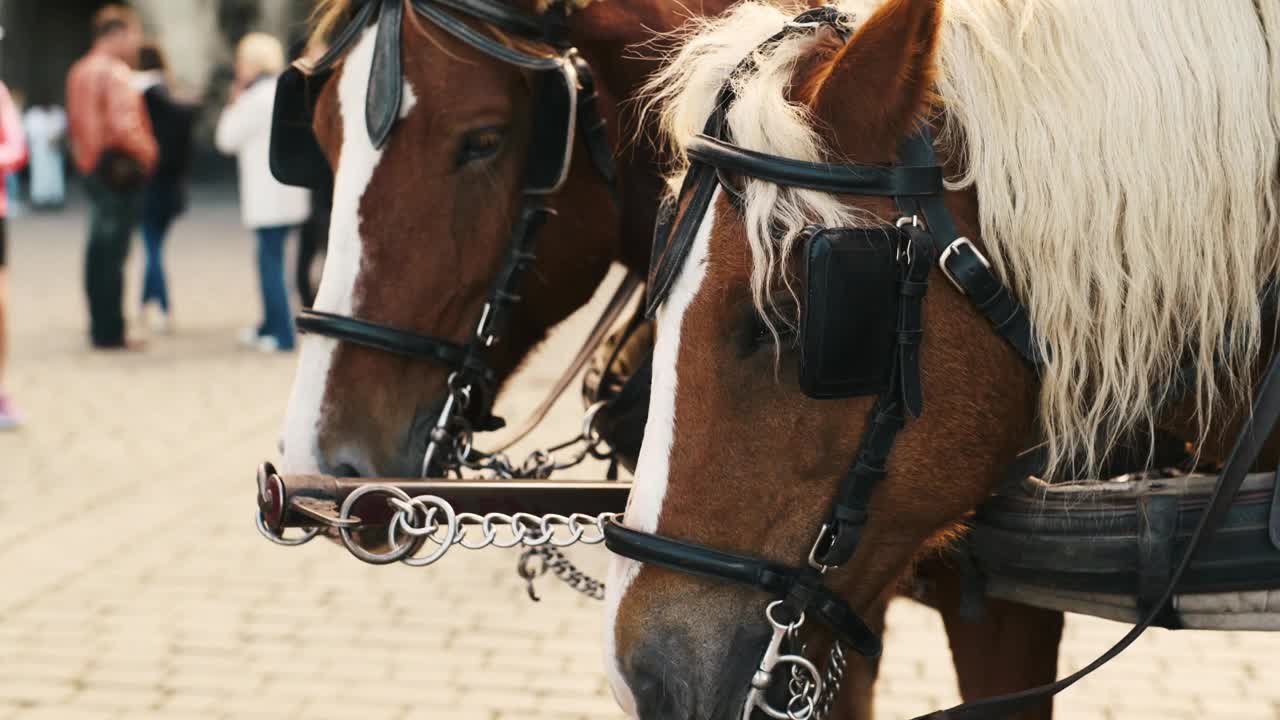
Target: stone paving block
{"points": [[64, 713], [458, 714], [118, 699], [14, 691]]}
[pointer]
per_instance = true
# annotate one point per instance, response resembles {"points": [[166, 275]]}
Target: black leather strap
{"points": [[975, 278], [919, 255], [388, 339], [961, 260], [897, 180], [386, 77], [592, 126], [479, 41], [500, 15], [849, 508], [1266, 412], [1157, 526], [801, 586], [354, 28], [504, 294], [1274, 517], [699, 186]]}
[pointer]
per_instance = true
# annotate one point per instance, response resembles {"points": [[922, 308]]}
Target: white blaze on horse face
{"points": [[357, 160], [644, 505]]}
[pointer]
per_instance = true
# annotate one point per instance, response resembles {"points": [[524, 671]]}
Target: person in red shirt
{"points": [[115, 150], [13, 155]]}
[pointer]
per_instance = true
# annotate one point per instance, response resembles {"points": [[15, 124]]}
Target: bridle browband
{"points": [[565, 101], [915, 184]]}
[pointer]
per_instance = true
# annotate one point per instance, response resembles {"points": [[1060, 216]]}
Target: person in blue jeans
{"points": [[165, 197], [271, 209], [277, 323]]}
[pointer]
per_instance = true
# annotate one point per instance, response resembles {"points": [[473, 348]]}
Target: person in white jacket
{"points": [[269, 208]]}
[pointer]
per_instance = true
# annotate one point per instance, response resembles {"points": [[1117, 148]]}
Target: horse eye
{"points": [[755, 334], [480, 144]]}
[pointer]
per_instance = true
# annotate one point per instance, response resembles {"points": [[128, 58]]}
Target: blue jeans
{"points": [[277, 317], [154, 286]]}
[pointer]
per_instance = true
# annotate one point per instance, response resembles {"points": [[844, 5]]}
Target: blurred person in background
{"points": [[13, 178], [115, 150], [165, 197], [271, 209], [46, 126], [13, 154]]}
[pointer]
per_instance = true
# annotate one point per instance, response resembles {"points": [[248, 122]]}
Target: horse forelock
{"points": [[1133, 235]]}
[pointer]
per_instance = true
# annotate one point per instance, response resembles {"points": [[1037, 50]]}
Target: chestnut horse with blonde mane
{"points": [[1117, 164]]}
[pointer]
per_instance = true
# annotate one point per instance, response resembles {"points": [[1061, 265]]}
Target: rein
{"points": [[565, 101]]}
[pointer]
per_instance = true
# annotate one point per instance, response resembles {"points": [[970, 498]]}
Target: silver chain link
{"points": [[553, 559], [833, 675]]}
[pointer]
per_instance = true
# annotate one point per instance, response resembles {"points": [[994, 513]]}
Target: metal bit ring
{"points": [[397, 552]]}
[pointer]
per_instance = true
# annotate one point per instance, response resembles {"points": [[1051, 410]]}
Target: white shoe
{"points": [[156, 319], [267, 344], [248, 337]]}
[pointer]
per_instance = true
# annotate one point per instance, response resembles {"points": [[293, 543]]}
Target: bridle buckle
{"points": [[951, 250], [820, 545]]}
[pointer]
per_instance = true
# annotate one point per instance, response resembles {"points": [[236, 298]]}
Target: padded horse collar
{"points": [[565, 101]]}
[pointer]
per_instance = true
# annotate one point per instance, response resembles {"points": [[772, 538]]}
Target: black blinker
{"points": [[295, 156], [849, 313]]}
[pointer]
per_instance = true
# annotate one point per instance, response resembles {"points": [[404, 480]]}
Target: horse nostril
{"points": [[345, 470], [659, 689]]}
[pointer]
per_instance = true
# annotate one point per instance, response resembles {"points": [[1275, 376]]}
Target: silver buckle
{"points": [[822, 538], [951, 250]]}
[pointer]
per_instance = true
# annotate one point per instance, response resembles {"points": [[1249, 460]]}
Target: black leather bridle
{"points": [[565, 102], [915, 184]]}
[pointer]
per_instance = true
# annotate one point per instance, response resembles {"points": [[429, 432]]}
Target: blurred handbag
{"points": [[120, 171]]}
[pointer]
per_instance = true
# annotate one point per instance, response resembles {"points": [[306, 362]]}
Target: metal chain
{"points": [[455, 434], [553, 559], [833, 675], [802, 704]]}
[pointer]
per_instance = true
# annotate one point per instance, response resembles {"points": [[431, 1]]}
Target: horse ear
{"points": [[881, 81]]}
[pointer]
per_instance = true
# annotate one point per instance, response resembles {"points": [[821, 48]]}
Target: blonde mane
{"points": [[1125, 159]]}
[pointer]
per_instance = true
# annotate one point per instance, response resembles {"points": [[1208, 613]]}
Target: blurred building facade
{"points": [[42, 38]]}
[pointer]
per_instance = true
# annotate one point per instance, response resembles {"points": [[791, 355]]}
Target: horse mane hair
{"points": [[1125, 159]]}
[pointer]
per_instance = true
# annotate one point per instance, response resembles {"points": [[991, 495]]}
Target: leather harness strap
{"points": [[388, 339], [898, 180]]}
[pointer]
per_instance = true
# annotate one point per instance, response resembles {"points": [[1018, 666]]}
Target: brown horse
{"points": [[1118, 167], [420, 226]]}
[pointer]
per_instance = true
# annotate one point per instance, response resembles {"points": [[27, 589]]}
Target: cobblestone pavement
{"points": [[132, 583]]}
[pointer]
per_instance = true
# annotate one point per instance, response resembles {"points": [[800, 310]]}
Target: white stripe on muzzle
{"points": [[357, 160], [644, 506]]}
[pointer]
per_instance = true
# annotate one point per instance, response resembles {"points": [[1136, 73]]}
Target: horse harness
{"points": [[883, 272], [565, 102]]}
